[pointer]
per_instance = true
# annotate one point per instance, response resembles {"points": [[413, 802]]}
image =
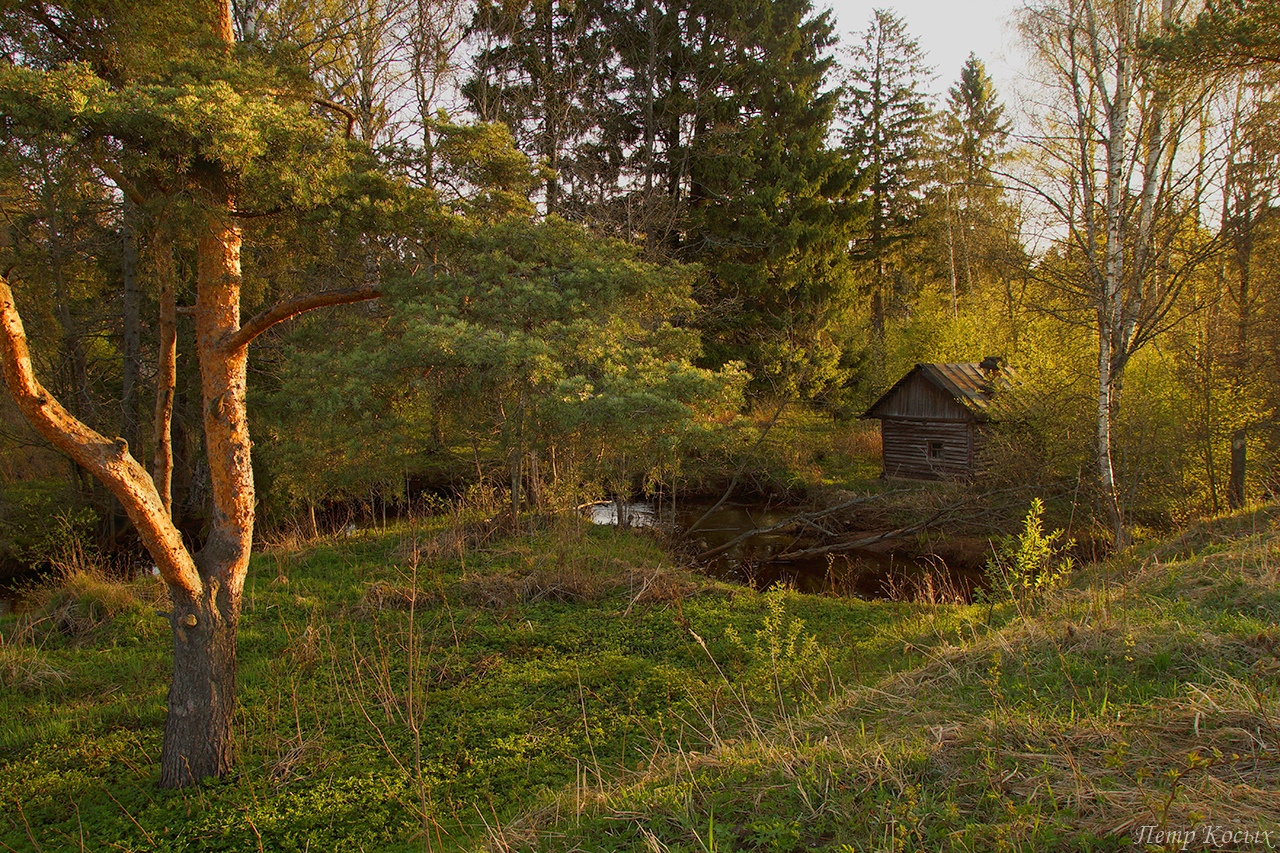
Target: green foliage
{"points": [[1030, 564], [607, 96], [1243, 34], [782, 666], [888, 118], [240, 117], [523, 337], [40, 520]]}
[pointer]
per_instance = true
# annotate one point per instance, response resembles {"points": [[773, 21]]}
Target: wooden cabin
{"points": [[931, 419]]}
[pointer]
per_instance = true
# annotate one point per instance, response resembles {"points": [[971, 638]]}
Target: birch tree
{"points": [[1120, 188]]}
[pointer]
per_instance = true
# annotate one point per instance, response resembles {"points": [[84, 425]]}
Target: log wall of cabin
{"points": [[906, 447]]}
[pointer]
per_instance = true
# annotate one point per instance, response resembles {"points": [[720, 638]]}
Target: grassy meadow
{"points": [[443, 686]]}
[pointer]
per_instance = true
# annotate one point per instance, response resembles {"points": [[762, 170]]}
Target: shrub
{"points": [[1031, 563]]}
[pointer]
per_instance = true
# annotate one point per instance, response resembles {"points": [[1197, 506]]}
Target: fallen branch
{"points": [[897, 533], [800, 518]]}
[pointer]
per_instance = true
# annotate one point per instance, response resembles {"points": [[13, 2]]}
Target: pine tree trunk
{"points": [[166, 371], [198, 736], [131, 327]]}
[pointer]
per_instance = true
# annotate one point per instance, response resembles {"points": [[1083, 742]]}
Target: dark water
{"points": [[861, 573]]}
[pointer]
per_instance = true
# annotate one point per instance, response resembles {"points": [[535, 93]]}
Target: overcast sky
{"points": [[948, 31]]}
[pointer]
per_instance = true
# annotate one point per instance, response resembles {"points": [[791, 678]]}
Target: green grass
{"points": [[443, 689], [1147, 693], [394, 702]]}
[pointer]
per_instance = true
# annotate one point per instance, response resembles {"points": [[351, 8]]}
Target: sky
{"points": [[948, 31]]}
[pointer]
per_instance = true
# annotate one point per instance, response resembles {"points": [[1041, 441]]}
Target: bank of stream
{"points": [[892, 569]]}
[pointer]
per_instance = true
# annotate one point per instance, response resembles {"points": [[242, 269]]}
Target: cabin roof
{"points": [[965, 382]]}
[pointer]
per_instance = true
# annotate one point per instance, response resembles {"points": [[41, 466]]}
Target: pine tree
{"points": [[199, 133]]}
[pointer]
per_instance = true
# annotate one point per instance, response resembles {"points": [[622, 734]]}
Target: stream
{"points": [[869, 573]]}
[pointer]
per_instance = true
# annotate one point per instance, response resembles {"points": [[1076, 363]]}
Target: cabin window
{"points": [[935, 450]]}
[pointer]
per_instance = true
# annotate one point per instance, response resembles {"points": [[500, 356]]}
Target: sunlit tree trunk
{"points": [[205, 587], [198, 733]]}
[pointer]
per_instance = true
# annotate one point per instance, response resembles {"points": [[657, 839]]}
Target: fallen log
{"points": [[850, 545]]}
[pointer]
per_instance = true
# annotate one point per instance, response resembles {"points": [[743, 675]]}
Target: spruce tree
{"points": [[979, 224], [888, 119], [772, 207]]}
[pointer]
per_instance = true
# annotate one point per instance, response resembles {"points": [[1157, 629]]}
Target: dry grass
{"points": [[82, 597], [860, 439], [456, 540], [564, 583], [398, 595], [660, 586], [23, 667]]}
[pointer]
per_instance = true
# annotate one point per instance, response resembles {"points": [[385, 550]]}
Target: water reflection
{"points": [[632, 513], [860, 573]]}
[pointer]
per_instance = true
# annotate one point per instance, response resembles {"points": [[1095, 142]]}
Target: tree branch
{"points": [[108, 460], [806, 518], [298, 305], [117, 177], [339, 108], [897, 533]]}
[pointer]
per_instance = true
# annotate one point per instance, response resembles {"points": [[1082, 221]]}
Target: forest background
{"points": [[610, 243]]}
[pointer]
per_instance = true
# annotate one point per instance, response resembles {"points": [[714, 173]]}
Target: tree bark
{"points": [[198, 735], [1105, 463], [166, 371], [1244, 260], [131, 325], [1111, 309], [1239, 460]]}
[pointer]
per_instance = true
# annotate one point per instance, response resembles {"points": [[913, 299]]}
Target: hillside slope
{"points": [[1136, 706]]}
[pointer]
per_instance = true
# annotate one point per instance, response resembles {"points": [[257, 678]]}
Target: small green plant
{"points": [[782, 659], [1033, 562]]}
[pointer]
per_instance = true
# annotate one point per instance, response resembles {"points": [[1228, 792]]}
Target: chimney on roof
{"points": [[990, 365]]}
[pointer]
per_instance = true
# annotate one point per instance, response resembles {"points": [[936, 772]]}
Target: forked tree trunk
{"points": [[198, 736]]}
